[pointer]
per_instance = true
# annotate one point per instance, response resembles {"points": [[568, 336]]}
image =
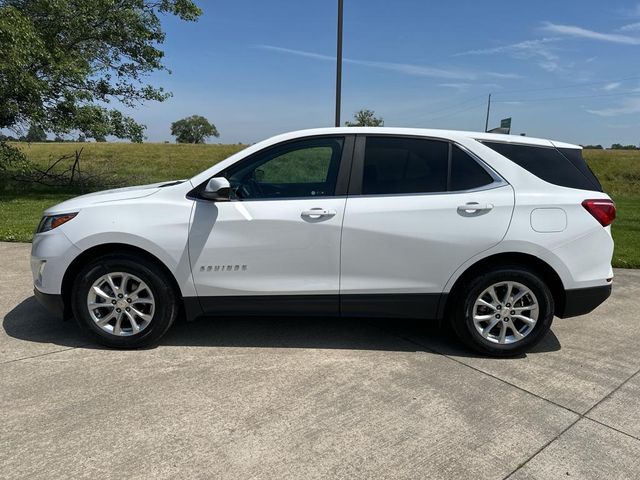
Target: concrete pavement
{"points": [[316, 398]]}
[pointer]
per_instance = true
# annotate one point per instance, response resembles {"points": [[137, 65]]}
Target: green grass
{"points": [[131, 164], [20, 213], [626, 233], [619, 173]]}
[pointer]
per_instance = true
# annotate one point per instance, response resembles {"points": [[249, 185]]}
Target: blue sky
{"points": [[568, 70]]}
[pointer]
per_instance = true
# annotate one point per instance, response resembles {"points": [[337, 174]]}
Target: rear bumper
{"points": [[52, 302], [581, 301]]}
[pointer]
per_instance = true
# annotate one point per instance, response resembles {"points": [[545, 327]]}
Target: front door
{"points": [[275, 247]]}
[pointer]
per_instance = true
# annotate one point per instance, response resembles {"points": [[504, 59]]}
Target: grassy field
{"points": [[117, 164]]}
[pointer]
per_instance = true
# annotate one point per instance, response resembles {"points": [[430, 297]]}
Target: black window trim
{"points": [[342, 181], [357, 168]]}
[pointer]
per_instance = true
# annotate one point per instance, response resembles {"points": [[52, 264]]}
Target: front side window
{"points": [[306, 168], [395, 165]]}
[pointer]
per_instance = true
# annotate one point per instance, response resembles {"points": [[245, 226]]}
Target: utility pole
{"points": [[486, 123], [339, 64]]}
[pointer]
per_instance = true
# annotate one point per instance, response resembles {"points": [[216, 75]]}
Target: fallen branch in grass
{"points": [[65, 171]]}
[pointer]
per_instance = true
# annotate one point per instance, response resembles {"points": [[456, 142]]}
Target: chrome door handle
{"points": [[474, 208], [318, 212]]}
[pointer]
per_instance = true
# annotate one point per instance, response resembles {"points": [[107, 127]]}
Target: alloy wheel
{"points": [[505, 313], [121, 304]]}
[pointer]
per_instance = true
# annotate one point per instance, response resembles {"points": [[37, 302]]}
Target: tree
{"points": [[193, 129], [365, 118], [618, 146], [36, 134], [61, 61]]}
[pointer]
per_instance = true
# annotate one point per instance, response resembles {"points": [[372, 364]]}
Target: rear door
{"points": [[418, 208]]}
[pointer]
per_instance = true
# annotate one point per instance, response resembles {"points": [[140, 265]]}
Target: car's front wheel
{"points": [[124, 301], [503, 312]]}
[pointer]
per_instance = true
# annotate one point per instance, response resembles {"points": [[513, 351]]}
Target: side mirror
{"points": [[217, 189]]}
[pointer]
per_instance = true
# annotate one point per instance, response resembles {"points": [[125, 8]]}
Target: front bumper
{"points": [[52, 302], [51, 254], [580, 301]]}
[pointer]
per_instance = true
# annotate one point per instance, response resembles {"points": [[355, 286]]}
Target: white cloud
{"points": [[631, 27], [631, 105], [404, 68], [416, 70], [300, 53], [527, 49], [579, 32], [611, 86], [526, 46], [463, 87], [456, 86], [505, 76]]}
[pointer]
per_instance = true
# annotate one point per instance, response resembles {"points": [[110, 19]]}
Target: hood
{"points": [[113, 195]]}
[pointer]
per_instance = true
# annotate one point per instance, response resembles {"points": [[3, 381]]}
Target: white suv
{"points": [[493, 233]]}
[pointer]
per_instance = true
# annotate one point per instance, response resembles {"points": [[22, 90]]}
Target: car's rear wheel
{"points": [[124, 301], [503, 312]]}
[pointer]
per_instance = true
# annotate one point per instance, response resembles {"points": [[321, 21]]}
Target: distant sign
{"points": [[506, 123]]}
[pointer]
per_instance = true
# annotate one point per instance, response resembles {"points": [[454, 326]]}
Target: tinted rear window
{"points": [[549, 164], [404, 165]]}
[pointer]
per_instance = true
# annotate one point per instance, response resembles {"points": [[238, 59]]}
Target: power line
{"points": [[456, 112], [459, 104], [430, 116], [573, 85], [601, 95]]}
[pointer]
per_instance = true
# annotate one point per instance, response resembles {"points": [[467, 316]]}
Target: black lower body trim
{"points": [[581, 301], [414, 305], [192, 308], [53, 303], [267, 305], [391, 305]]}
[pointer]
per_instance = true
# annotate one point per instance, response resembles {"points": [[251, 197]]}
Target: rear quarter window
{"points": [[550, 164], [574, 155]]}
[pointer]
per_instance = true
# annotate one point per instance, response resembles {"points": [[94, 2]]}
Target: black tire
{"points": [[465, 298], [166, 300]]}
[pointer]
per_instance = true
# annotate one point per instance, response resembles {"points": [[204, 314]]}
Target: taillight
{"points": [[604, 211]]}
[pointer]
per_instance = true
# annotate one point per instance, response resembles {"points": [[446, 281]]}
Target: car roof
{"points": [[427, 132]]}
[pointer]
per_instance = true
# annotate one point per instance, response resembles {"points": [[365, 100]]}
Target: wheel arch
{"points": [[531, 262], [103, 249]]}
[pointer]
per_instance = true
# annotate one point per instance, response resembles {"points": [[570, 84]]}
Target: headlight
{"points": [[49, 222]]}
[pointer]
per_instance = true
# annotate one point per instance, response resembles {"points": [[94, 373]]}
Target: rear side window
{"points": [[404, 165], [466, 173], [548, 164]]}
